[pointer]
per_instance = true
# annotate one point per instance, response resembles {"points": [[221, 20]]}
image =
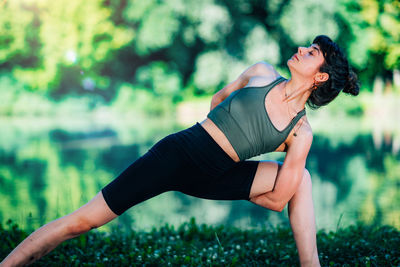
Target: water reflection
{"points": [[47, 172]]}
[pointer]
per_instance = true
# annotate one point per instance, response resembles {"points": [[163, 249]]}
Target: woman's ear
{"points": [[321, 77]]}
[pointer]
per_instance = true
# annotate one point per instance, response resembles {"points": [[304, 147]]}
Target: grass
{"points": [[202, 245]]}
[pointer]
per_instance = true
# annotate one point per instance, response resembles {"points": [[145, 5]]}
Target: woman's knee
{"points": [[77, 226], [92, 215]]}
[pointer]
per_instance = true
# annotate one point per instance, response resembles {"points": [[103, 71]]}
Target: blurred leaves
{"points": [[74, 47], [157, 25], [376, 28], [302, 20], [41, 34], [259, 45]]}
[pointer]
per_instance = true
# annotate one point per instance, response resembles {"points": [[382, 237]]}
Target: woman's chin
{"points": [[289, 64]]}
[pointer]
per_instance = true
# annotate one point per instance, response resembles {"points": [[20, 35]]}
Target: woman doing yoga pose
{"points": [[259, 112]]}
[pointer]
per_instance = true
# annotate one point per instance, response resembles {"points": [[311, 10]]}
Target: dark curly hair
{"points": [[341, 76]]}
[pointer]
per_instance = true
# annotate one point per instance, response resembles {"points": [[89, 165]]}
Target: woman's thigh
{"points": [[233, 184], [245, 180], [265, 177], [157, 171]]}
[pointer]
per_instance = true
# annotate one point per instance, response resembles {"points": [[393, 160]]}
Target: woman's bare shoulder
{"points": [[304, 132], [301, 133], [266, 69], [265, 74]]}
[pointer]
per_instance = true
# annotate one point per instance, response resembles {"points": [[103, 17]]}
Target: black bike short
{"points": [[189, 161]]}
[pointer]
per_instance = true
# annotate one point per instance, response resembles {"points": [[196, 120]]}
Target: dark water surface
{"points": [[50, 168]]}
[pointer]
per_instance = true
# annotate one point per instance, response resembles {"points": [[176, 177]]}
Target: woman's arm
{"points": [[293, 177], [290, 174], [258, 69]]}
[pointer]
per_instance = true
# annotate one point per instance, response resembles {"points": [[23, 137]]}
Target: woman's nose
{"points": [[300, 50]]}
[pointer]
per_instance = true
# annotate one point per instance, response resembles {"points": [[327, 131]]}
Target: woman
{"points": [[257, 113]]}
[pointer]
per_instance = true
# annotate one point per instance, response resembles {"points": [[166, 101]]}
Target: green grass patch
{"points": [[203, 245]]}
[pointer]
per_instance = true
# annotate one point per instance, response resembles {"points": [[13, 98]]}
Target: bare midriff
{"points": [[220, 138]]}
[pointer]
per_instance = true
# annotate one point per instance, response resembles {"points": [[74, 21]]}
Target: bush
{"points": [[203, 245]]}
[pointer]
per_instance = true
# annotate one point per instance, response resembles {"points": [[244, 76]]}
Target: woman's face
{"points": [[306, 62]]}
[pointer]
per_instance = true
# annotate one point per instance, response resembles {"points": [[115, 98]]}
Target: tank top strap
{"points": [[296, 119], [272, 84]]}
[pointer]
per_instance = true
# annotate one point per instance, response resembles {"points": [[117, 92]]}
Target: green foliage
{"points": [[375, 26], [360, 245], [157, 25], [41, 38], [175, 48], [347, 105], [202, 245], [160, 78], [300, 20], [16, 100], [137, 99], [260, 45]]}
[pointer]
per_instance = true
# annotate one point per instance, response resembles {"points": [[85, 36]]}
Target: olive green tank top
{"points": [[243, 119]]}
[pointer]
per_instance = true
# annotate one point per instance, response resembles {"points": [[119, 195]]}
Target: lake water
{"points": [[50, 167]]}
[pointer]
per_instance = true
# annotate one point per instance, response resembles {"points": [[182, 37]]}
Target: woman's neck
{"points": [[296, 93]]}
